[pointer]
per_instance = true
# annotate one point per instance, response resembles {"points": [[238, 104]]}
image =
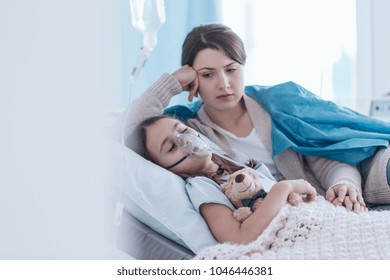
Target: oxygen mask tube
{"points": [[195, 147]]}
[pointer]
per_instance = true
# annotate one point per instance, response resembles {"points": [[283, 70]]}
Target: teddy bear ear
{"points": [[224, 187], [254, 175]]}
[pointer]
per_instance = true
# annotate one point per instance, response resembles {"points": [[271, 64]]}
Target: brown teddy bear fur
{"points": [[244, 184]]}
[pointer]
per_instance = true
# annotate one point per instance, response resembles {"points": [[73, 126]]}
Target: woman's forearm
{"points": [[151, 103], [332, 172]]}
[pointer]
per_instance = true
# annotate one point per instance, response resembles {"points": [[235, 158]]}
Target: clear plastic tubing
{"points": [[147, 16]]}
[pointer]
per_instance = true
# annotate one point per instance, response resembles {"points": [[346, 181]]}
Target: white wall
{"points": [[281, 46], [57, 66], [373, 51], [381, 46]]}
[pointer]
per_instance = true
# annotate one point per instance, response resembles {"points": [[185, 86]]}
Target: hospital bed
{"points": [[142, 243], [152, 203]]}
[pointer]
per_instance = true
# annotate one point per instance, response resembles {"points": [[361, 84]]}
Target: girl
{"points": [[158, 139]]}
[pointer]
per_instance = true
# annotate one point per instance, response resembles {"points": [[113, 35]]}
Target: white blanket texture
{"points": [[316, 230]]}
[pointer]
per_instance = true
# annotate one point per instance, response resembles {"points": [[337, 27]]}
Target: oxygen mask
{"points": [[192, 146]]}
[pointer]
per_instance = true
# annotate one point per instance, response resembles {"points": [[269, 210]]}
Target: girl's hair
{"points": [[143, 135], [213, 36], [225, 164]]}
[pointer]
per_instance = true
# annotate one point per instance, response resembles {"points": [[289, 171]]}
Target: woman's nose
{"points": [[223, 81]]}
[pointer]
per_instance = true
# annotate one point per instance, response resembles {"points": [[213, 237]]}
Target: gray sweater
{"points": [[322, 173]]}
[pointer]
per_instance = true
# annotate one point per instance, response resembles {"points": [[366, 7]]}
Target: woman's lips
{"points": [[225, 96]]}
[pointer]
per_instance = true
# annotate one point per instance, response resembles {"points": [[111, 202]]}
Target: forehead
{"points": [[162, 127], [211, 58]]}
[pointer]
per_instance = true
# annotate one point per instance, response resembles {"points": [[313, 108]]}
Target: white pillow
{"points": [[158, 198]]}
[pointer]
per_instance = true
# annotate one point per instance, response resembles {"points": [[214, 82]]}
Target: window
{"points": [[312, 43]]}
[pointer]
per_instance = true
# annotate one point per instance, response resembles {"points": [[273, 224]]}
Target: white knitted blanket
{"points": [[316, 230]]}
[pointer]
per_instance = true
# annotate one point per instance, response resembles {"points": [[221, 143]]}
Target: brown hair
{"points": [[228, 165], [143, 135], [213, 36]]}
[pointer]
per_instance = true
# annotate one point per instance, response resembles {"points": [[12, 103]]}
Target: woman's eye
{"points": [[184, 131], [207, 75], [231, 70]]}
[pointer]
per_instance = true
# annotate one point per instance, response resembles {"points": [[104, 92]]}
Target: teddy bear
{"points": [[246, 193]]}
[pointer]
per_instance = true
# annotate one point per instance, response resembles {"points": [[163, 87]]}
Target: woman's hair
{"points": [[228, 165], [213, 36]]}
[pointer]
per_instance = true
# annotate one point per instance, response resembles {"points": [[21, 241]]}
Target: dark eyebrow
{"points": [[166, 138], [211, 68]]}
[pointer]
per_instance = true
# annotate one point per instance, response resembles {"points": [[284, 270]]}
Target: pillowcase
{"points": [[157, 197]]}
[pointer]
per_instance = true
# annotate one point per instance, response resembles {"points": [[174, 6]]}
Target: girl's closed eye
{"points": [[172, 148]]}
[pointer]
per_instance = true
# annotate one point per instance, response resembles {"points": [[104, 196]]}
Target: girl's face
{"points": [[221, 79], [163, 150]]}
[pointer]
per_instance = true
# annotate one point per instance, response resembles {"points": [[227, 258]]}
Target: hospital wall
{"points": [[373, 52], [56, 72]]}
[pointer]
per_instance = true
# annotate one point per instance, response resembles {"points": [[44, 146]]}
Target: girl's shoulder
{"points": [[203, 190]]}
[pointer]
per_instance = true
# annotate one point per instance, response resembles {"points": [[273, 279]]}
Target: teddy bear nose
{"points": [[240, 178]]}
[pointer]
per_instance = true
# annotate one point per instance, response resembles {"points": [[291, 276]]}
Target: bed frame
{"points": [[142, 243]]}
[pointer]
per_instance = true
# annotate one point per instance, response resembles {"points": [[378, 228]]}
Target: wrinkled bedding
{"points": [[316, 230]]}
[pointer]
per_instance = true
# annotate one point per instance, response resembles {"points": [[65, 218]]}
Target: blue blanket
{"points": [[310, 125]]}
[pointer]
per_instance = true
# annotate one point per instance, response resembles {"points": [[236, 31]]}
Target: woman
{"points": [[158, 138], [213, 62]]}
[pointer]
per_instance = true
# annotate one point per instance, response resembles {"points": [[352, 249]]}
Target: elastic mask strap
{"points": [[177, 163]]}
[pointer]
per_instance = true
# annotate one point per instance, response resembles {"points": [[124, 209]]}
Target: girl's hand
{"points": [[188, 79], [303, 187]]}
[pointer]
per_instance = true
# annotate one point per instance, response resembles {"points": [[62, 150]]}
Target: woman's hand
{"points": [[188, 79], [347, 196]]}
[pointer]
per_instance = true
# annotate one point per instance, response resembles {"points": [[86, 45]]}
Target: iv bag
{"points": [[148, 16]]}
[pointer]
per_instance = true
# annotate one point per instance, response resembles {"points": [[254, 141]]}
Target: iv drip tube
{"points": [[147, 16]]}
